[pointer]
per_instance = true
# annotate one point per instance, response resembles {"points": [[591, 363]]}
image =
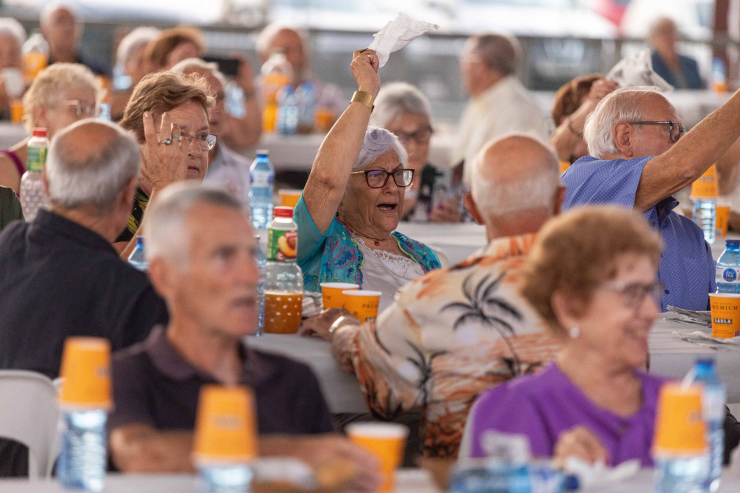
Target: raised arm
{"points": [[338, 153], [691, 156]]}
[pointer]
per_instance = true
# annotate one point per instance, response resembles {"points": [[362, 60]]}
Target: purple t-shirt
{"points": [[543, 405]]}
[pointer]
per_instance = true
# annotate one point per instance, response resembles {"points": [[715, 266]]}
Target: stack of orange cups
{"points": [[225, 428], [85, 373], [680, 430], [332, 293], [362, 304], [723, 217], [289, 198], [386, 441]]}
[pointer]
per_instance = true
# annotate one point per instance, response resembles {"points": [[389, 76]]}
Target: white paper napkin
{"points": [[590, 475], [637, 70], [397, 34]]}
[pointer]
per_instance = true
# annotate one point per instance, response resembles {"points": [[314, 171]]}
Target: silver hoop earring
{"points": [[574, 332]]}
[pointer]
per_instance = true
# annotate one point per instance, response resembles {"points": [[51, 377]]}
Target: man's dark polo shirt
{"points": [[60, 279], [154, 385]]}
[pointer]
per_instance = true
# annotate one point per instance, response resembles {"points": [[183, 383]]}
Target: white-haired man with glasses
{"points": [[639, 156]]}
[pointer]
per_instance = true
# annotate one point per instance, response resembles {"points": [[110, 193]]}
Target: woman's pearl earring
{"points": [[575, 332]]}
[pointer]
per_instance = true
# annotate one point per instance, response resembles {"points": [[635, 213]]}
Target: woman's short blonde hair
{"points": [[158, 50], [161, 92], [577, 252], [51, 86]]}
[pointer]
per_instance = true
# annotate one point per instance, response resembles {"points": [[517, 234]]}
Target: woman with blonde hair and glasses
{"points": [[591, 276], [60, 95], [168, 114]]}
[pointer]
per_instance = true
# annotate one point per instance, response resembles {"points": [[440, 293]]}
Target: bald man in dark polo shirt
{"points": [[200, 247]]}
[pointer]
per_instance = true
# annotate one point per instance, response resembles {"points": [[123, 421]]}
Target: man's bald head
{"points": [[514, 174], [89, 164]]}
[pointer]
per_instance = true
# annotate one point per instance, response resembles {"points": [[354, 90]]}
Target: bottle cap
{"points": [[281, 211], [263, 152], [140, 240], [39, 132]]}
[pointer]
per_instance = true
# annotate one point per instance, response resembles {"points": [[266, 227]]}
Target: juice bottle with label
{"points": [[284, 281]]}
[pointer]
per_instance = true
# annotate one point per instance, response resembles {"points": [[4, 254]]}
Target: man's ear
{"points": [[470, 206], [559, 199], [161, 275], [622, 134]]}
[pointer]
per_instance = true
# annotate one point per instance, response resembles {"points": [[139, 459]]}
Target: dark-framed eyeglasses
{"points": [[674, 128], [633, 294], [377, 178], [421, 136]]}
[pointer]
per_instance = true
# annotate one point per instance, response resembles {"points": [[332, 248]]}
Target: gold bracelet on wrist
{"points": [[365, 98]]}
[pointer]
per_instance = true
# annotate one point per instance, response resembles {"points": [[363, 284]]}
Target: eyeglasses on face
{"points": [[82, 110], [634, 294], [205, 141], [421, 136], [675, 130], [377, 178]]}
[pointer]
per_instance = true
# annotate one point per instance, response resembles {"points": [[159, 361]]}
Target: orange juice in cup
{"points": [[362, 304], [331, 293], [725, 313], [386, 441], [283, 311], [16, 111], [289, 198]]}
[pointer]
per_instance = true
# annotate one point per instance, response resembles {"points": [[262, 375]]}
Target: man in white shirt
{"points": [[498, 104]]}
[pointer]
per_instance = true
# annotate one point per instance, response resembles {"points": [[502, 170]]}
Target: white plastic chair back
{"points": [[28, 414]]}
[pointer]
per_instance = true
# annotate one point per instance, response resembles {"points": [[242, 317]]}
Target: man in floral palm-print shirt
{"points": [[456, 332]]}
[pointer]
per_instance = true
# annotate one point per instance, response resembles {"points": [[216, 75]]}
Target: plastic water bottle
{"points": [[104, 112], [705, 215], [306, 94], [287, 117], [82, 460], [33, 195], [137, 258], [262, 266], [681, 474], [727, 274], [235, 478], [719, 75], [276, 73], [261, 180], [713, 410], [235, 100]]}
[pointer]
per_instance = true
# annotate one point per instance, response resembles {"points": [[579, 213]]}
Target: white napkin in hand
{"points": [[397, 34], [590, 475], [637, 70]]}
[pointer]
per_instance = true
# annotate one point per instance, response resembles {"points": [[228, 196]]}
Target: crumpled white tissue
{"points": [[637, 70], [590, 475], [397, 34]]}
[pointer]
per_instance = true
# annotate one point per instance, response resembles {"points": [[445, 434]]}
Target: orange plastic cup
{"points": [[386, 441], [706, 186], [225, 428], [680, 429], [16, 111], [362, 304], [331, 293], [289, 198], [564, 165], [723, 219], [86, 374], [324, 119], [725, 312]]}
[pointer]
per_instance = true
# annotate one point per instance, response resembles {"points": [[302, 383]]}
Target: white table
{"points": [[672, 357], [407, 481], [341, 390], [455, 241], [642, 482]]}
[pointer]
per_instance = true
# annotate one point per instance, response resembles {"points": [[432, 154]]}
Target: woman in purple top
{"points": [[591, 276]]}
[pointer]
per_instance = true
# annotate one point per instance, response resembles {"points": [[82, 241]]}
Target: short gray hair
{"points": [[96, 180], [623, 105], [13, 28], [533, 190], [192, 64], [499, 52], [377, 142], [139, 37], [397, 99], [165, 230]]}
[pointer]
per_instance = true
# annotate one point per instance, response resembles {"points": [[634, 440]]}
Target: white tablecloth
{"points": [[672, 357], [407, 481], [341, 390], [642, 482]]}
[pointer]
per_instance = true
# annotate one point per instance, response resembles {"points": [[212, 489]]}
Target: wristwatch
{"points": [[343, 321], [365, 98]]}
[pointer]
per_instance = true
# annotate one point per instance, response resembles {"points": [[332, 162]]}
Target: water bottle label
{"points": [[36, 158], [282, 245], [258, 180], [714, 406], [727, 275]]}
